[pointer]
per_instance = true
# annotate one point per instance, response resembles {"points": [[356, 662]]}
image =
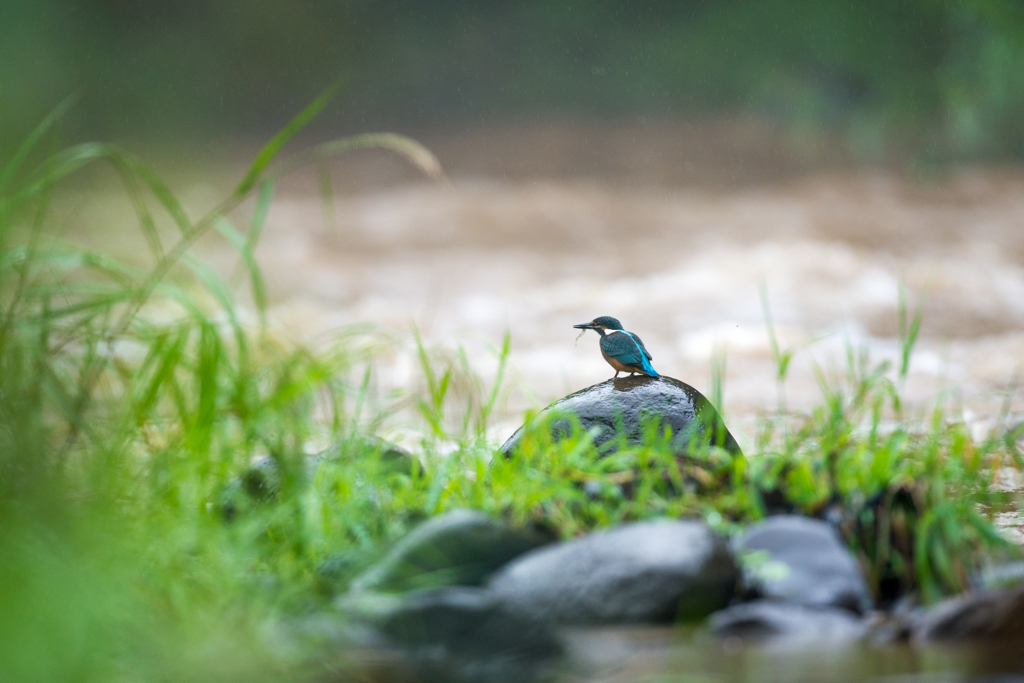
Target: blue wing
{"points": [[622, 348], [628, 350], [640, 343]]}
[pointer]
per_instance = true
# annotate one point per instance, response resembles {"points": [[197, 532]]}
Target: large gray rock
{"points": [[766, 620], [988, 616], [646, 572], [462, 547], [801, 560], [632, 402]]}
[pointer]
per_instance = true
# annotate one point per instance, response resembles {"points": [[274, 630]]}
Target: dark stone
{"points": [[647, 572], [466, 635], [462, 547], [633, 402], [262, 481], [800, 560], [392, 458], [983, 616], [768, 620]]}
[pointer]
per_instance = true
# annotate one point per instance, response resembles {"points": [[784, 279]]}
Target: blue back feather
{"points": [[626, 348]]}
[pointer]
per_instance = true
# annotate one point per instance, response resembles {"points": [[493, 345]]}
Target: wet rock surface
{"points": [[802, 561], [769, 620], [646, 572], [465, 634], [462, 547], [632, 402]]}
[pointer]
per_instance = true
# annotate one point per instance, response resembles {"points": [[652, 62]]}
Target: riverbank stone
{"points": [[454, 634], [769, 620], [391, 458], [462, 547], [645, 572], [630, 403], [261, 482], [985, 616], [803, 561]]}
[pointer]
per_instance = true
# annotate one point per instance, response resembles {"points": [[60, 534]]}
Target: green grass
{"points": [[139, 544]]}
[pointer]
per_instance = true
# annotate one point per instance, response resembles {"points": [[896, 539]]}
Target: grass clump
{"points": [[129, 408], [164, 512]]}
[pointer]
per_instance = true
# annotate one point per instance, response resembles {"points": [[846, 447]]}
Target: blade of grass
{"points": [[908, 331], [272, 148], [244, 249], [25, 148]]}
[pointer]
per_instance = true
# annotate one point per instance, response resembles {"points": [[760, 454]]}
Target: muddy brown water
{"points": [[680, 267], [670, 227]]}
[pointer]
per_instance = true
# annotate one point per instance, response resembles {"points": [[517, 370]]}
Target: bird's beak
{"points": [[584, 326]]}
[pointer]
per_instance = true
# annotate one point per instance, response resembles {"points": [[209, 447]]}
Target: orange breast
{"points": [[621, 367]]}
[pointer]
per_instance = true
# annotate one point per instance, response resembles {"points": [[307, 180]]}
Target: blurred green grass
{"points": [[162, 516]]}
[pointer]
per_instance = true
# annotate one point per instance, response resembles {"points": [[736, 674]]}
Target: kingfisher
{"points": [[623, 350]]}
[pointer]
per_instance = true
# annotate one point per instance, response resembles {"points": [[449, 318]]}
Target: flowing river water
{"points": [[680, 259]]}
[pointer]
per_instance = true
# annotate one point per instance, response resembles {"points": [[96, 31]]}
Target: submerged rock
{"points": [[801, 560], [467, 619], [633, 402], [455, 635], [647, 572], [988, 616], [767, 620], [462, 547]]}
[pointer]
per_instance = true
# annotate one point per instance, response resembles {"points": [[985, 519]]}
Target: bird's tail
{"points": [[648, 368]]}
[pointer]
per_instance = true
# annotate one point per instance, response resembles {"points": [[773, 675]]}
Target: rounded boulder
{"points": [[800, 560], [646, 572], [461, 547], [631, 404]]}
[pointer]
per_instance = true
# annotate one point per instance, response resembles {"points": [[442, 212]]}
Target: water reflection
{"points": [[667, 654]]}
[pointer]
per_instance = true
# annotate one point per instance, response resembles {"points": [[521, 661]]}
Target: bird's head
{"points": [[602, 324]]}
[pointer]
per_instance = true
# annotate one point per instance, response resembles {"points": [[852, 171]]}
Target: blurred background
{"points": [[934, 78], [662, 162]]}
